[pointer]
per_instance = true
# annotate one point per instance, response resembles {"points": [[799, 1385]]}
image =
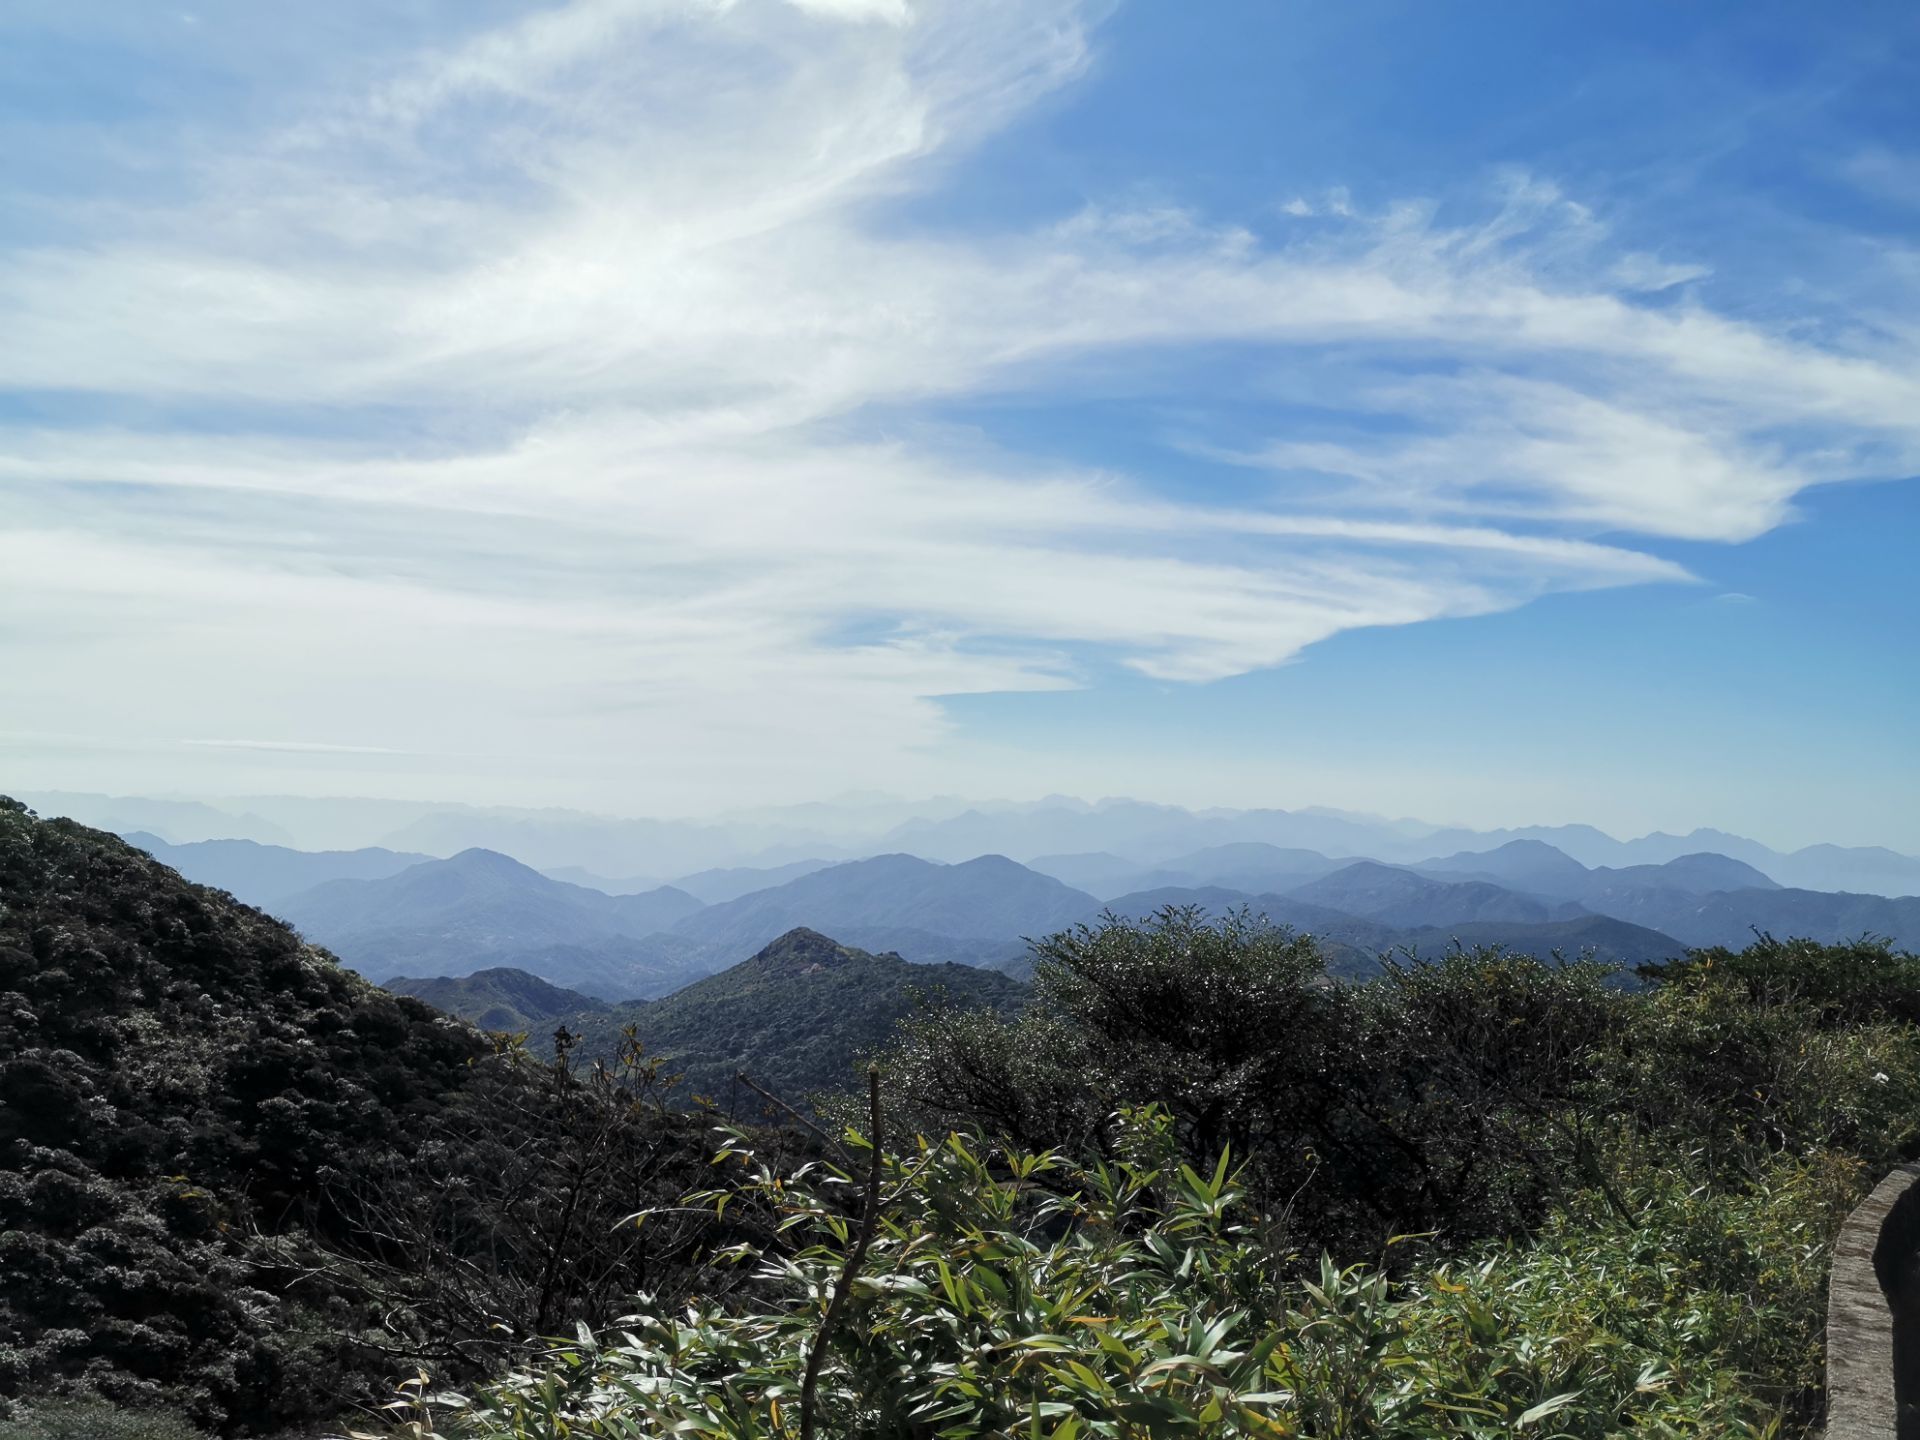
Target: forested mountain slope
{"points": [[203, 1119], [796, 1016]]}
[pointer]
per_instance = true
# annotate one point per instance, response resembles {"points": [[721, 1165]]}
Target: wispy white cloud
{"points": [[1889, 174], [564, 386], [298, 747]]}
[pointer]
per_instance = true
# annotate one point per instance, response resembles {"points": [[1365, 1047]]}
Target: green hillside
{"points": [[798, 1016]]}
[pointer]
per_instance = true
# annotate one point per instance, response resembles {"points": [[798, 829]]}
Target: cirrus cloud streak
{"points": [[577, 387]]}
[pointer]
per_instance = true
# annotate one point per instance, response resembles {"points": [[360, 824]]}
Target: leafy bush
{"points": [[1027, 1294], [1853, 983], [1454, 1095], [1785, 1047]]}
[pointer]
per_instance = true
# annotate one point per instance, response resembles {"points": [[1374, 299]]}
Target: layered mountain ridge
{"points": [[481, 910], [1142, 835]]}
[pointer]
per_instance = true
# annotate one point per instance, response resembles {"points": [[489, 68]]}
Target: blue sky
{"points": [[1490, 413]]}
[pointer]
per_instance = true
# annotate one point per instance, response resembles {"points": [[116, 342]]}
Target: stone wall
{"points": [[1873, 1316]]}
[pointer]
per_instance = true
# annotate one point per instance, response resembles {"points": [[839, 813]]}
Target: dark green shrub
{"points": [[1456, 1096]]}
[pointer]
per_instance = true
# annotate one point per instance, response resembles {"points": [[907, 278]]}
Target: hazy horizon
{"points": [[849, 821]]}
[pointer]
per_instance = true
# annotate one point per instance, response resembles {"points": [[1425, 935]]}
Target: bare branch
{"points": [[869, 1222], [770, 1097]]}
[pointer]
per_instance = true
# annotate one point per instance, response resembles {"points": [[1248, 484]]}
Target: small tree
{"points": [[511, 1218]]}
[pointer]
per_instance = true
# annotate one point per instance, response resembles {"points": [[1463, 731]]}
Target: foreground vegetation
{"points": [[1197, 1191], [1030, 1295]]}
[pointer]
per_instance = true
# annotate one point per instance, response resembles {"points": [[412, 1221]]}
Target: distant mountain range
{"points": [[988, 898], [1405, 898], [1107, 848], [480, 910], [493, 896], [1535, 866], [717, 887], [264, 875], [499, 999], [1247, 865], [1352, 944], [1071, 830]]}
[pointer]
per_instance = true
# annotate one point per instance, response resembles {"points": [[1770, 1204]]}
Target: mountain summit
{"points": [[796, 1016], [482, 908], [799, 952], [890, 901]]}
